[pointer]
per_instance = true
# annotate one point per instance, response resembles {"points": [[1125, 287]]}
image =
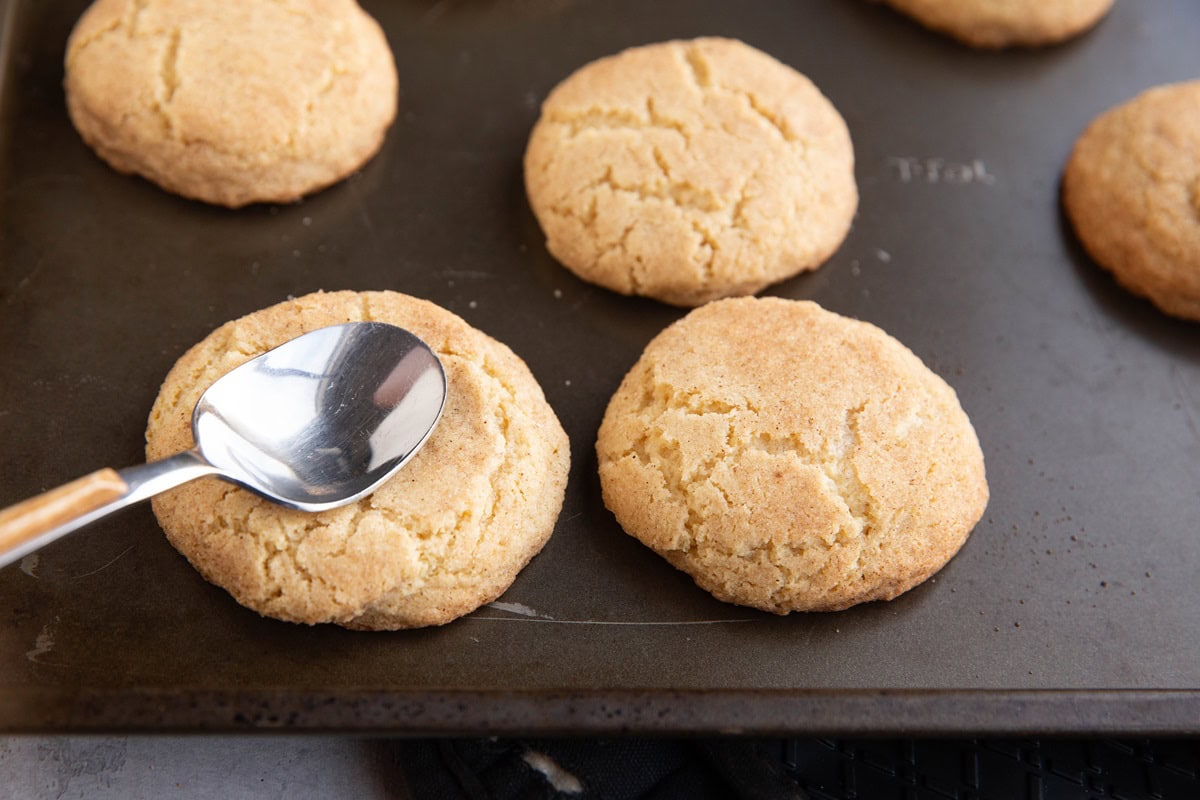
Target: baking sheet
{"points": [[1072, 608]]}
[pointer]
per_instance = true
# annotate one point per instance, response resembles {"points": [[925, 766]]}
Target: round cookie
{"points": [[231, 103], [448, 533], [995, 24], [690, 170], [790, 459], [1131, 189]]}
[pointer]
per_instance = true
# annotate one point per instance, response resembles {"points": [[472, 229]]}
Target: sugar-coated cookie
{"points": [[790, 459], [994, 24], [690, 170], [448, 533], [1131, 189], [231, 103]]}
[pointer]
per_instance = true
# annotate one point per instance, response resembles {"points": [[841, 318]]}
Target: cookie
{"points": [[995, 24], [231, 103], [448, 533], [790, 459], [690, 170], [1131, 189]]}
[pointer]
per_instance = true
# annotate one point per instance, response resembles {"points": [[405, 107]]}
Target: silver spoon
{"points": [[316, 423]]}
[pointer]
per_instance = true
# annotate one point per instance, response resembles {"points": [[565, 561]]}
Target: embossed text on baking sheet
{"points": [[910, 169]]}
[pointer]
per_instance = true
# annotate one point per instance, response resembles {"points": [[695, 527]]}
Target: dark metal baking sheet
{"points": [[1073, 607]]}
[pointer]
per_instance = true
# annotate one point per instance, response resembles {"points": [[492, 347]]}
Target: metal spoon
{"points": [[316, 423]]}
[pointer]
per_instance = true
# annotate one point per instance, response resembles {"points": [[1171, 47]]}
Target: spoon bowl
{"points": [[316, 423]]}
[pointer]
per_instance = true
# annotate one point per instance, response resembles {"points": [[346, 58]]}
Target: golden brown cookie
{"points": [[996, 24], [1132, 191], [448, 533], [231, 103], [790, 459], [690, 170]]}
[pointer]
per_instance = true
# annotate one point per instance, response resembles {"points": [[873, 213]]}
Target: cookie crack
{"points": [[707, 215], [503, 419], [709, 247], [83, 44], [590, 213], [765, 113], [168, 80], [597, 119], [737, 213], [127, 23], [840, 475], [836, 466], [168, 72], [698, 68], [663, 122], [849, 484], [700, 74], [505, 414], [295, 562], [681, 195], [662, 396], [622, 242], [133, 16]]}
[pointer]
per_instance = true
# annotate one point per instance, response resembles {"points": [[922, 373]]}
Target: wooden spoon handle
{"points": [[23, 522]]}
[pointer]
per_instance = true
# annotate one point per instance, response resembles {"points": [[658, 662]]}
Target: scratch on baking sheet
{"points": [[518, 608], [629, 623], [44, 642], [1186, 400], [526, 614], [23, 284], [29, 565], [105, 566]]}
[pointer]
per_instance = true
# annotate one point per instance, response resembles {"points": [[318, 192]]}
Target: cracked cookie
{"points": [[231, 103], [1131, 189], [690, 170], [448, 533], [995, 24], [790, 459]]}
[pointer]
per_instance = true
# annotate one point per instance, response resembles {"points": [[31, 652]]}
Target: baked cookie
{"points": [[690, 170], [994, 24], [790, 459], [448, 533], [1131, 189], [231, 103]]}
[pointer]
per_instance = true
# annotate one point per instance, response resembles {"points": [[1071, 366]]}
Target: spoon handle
{"points": [[22, 523], [36, 522]]}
